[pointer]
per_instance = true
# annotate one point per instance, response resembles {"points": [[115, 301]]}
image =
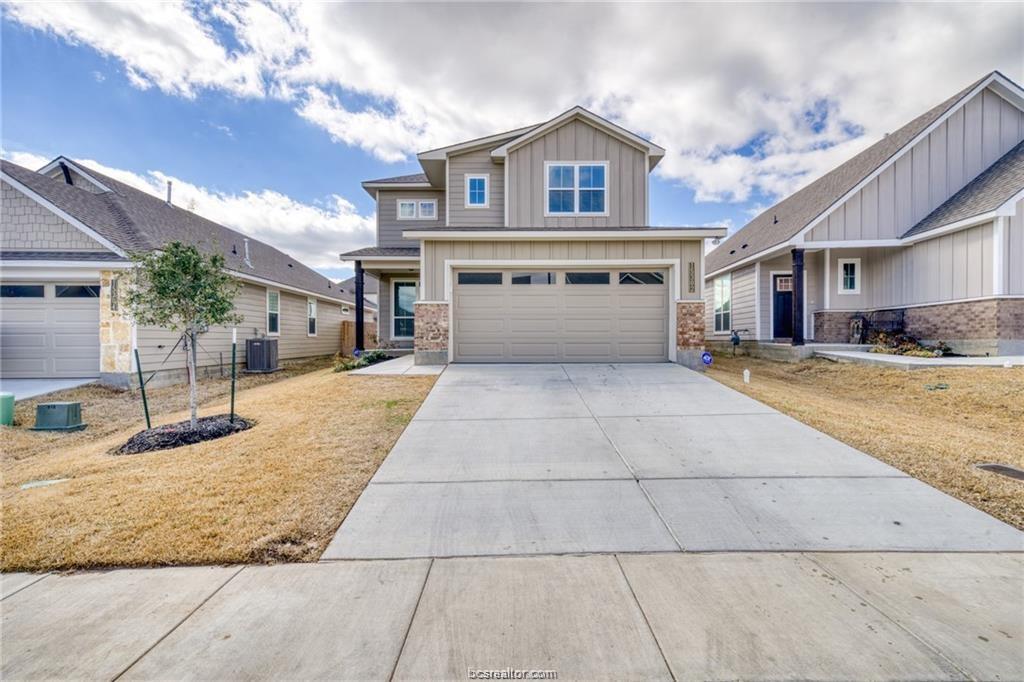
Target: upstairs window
{"points": [[476, 191], [849, 276], [273, 313], [723, 303], [417, 209], [310, 317], [577, 188]]}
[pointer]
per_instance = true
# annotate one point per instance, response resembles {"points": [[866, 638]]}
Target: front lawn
{"points": [[275, 492], [934, 424]]}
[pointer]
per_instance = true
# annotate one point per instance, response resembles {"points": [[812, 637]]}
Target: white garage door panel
{"points": [[49, 337], [561, 322]]}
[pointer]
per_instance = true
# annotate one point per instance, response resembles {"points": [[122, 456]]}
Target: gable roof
{"points": [[135, 221], [1000, 183], [787, 218]]}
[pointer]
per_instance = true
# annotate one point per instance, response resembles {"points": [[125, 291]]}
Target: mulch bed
{"points": [[181, 433]]}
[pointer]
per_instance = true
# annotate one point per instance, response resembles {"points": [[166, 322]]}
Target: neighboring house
{"points": [[533, 245], [67, 234], [370, 291], [924, 228]]}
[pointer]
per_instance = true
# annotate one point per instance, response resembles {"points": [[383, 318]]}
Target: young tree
{"points": [[179, 288]]}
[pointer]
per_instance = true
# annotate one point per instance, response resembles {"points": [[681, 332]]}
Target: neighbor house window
{"points": [[723, 303], [577, 188], [417, 209], [21, 291], [849, 275], [273, 313], [77, 291], [311, 317], [403, 309], [476, 191], [345, 310], [588, 278]]}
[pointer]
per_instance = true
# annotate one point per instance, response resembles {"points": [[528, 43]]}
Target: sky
{"points": [[267, 116]]}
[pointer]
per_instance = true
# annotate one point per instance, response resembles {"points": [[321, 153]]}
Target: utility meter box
{"points": [[58, 417]]}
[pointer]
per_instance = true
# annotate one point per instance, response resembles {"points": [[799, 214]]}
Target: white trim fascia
{"points": [[828, 278], [75, 167], [316, 316], [469, 145], [397, 185], [271, 284], [504, 189], [266, 317], [674, 266], [771, 300], [513, 234], [767, 254], [576, 189], [370, 259], [486, 177], [50, 206], [647, 189], [999, 233], [593, 119], [808, 334], [447, 195], [7, 265], [858, 271], [852, 244], [391, 309], [433, 303], [899, 153], [990, 297], [41, 271], [757, 301]]}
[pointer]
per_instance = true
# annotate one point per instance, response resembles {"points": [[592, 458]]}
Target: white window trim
{"points": [[416, 212], [576, 189], [278, 313], [391, 321], [857, 272], [714, 304], [315, 318], [486, 177]]}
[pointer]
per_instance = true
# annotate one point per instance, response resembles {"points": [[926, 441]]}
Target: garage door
{"points": [[49, 330], [560, 315]]}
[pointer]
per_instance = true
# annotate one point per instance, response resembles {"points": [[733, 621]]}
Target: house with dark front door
{"points": [[534, 245], [922, 231]]}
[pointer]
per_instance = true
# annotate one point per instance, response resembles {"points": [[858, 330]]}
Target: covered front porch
{"points": [[398, 272]]}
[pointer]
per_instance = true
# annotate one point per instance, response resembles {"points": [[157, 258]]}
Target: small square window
{"points": [[428, 209], [407, 210], [476, 191], [849, 276]]}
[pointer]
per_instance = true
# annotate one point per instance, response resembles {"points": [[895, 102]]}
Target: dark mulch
{"points": [[176, 435]]}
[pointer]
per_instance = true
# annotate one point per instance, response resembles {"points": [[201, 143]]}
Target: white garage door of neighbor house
{"points": [[578, 315], [49, 330]]}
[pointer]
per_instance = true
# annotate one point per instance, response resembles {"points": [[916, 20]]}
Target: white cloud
{"points": [[313, 233], [748, 99]]}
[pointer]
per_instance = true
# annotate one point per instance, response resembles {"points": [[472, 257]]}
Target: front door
{"points": [[782, 306]]}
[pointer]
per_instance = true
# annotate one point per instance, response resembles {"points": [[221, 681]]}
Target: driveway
{"points": [[564, 459]]}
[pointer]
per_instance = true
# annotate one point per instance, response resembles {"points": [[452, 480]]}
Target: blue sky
{"points": [[268, 118]]}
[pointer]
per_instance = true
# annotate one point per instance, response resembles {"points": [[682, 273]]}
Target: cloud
{"points": [[748, 99], [312, 233]]}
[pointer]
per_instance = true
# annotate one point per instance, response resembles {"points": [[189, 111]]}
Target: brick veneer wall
{"points": [[832, 327], [431, 341], [690, 325]]}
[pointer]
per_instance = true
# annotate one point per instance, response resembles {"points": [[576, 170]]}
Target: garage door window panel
{"points": [[641, 278], [403, 324], [533, 278], [588, 278], [77, 291], [22, 291], [480, 278]]}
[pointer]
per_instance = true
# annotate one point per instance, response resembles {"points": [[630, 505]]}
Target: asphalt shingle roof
{"points": [[106, 256], [136, 221], [396, 251], [985, 193], [400, 179], [786, 218]]}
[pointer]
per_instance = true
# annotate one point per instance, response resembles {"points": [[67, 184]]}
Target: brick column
{"points": [[690, 333], [431, 338], [116, 358]]}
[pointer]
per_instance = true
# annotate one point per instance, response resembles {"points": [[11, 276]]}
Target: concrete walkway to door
{"points": [[564, 459]]}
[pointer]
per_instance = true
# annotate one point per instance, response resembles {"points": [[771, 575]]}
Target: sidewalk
{"points": [[909, 362], [731, 615]]}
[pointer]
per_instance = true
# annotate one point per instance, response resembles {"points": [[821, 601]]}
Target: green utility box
{"points": [[6, 409], [58, 417]]}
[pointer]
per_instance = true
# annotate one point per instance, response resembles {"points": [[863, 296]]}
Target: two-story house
{"points": [[534, 245], [923, 230]]}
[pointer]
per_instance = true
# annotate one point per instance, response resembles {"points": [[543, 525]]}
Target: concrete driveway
{"points": [[564, 459]]}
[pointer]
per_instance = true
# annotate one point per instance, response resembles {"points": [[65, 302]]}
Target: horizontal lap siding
{"points": [[578, 141], [778, 264], [1015, 251], [390, 228], [744, 301], [475, 163], [933, 170], [437, 252]]}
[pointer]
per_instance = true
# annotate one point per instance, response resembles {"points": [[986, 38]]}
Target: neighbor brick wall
{"points": [[431, 327], [1010, 319], [690, 325], [28, 226], [832, 327]]}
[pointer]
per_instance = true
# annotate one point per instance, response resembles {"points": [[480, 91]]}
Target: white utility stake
{"points": [[234, 335], [746, 376]]}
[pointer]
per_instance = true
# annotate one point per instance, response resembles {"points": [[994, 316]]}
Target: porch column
{"points": [[798, 297], [360, 338]]}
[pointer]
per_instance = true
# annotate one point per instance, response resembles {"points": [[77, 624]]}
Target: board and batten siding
{"points": [[1013, 270], [390, 228], [437, 252], [577, 141], [154, 343], [476, 162], [937, 167]]}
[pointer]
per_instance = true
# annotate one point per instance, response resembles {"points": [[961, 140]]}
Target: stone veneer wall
{"points": [[690, 333], [994, 326], [431, 342], [116, 358]]}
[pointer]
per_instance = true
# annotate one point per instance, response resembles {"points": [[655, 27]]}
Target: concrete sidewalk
{"points": [[830, 616], [908, 362]]}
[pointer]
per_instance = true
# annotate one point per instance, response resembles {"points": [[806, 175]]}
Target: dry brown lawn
{"points": [[276, 492], [934, 435]]}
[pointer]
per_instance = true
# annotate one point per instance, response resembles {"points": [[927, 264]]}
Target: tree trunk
{"points": [[190, 355]]}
